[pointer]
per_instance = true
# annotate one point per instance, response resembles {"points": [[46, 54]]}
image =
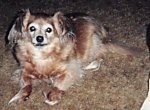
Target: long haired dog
{"points": [[56, 48]]}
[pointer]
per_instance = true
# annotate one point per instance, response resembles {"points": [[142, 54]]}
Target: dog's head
{"points": [[41, 29]]}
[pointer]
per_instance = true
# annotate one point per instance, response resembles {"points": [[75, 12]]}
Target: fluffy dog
{"points": [[57, 48]]}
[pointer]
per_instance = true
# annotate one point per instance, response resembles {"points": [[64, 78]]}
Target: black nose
{"points": [[39, 39]]}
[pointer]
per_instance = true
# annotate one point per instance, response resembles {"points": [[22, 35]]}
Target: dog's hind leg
{"points": [[25, 91], [94, 65]]}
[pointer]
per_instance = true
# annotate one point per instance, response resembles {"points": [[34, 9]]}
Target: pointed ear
{"points": [[22, 20], [59, 23], [26, 17], [16, 29]]}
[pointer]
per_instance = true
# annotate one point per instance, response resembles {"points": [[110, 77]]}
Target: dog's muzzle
{"points": [[40, 41]]}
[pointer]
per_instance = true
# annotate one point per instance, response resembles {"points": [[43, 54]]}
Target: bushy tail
{"points": [[122, 50]]}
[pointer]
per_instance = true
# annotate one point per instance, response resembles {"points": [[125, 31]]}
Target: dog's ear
{"points": [[62, 24], [16, 30], [59, 23], [22, 20], [64, 27], [25, 18]]}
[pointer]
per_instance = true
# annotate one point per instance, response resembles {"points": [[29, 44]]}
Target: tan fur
{"points": [[71, 44]]}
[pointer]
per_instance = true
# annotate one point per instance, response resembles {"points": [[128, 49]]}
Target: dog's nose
{"points": [[39, 39]]}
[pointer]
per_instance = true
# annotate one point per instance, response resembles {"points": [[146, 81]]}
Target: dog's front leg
{"points": [[61, 84], [26, 88], [53, 96]]}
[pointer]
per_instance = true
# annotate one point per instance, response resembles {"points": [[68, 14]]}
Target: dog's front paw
{"points": [[22, 95], [53, 96], [51, 102], [17, 97]]}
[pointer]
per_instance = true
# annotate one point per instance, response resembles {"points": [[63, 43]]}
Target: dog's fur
{"points": [[64, 47]]}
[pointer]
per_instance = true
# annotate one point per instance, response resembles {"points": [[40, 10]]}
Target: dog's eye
{"points": [[49, 30], [32, 28]]}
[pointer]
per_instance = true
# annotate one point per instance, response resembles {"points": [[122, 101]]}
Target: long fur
{"points": [[71, 44]]}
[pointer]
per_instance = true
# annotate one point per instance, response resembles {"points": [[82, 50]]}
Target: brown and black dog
{"points": [[57, 48]]}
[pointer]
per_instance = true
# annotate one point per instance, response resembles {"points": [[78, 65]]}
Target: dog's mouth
{"points": [[39, 45], [39, 41]]}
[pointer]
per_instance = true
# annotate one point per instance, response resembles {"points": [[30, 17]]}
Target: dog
{"points": [[57, 48]]}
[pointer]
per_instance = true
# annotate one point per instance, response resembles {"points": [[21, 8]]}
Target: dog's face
{"points": [[40, 32], [40, 29]]}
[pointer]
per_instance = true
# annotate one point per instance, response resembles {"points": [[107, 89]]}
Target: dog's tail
{"points": [[121, 50]]}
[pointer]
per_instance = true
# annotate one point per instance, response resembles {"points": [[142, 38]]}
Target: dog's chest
{"points": [[40, 62], [41, 59]]}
